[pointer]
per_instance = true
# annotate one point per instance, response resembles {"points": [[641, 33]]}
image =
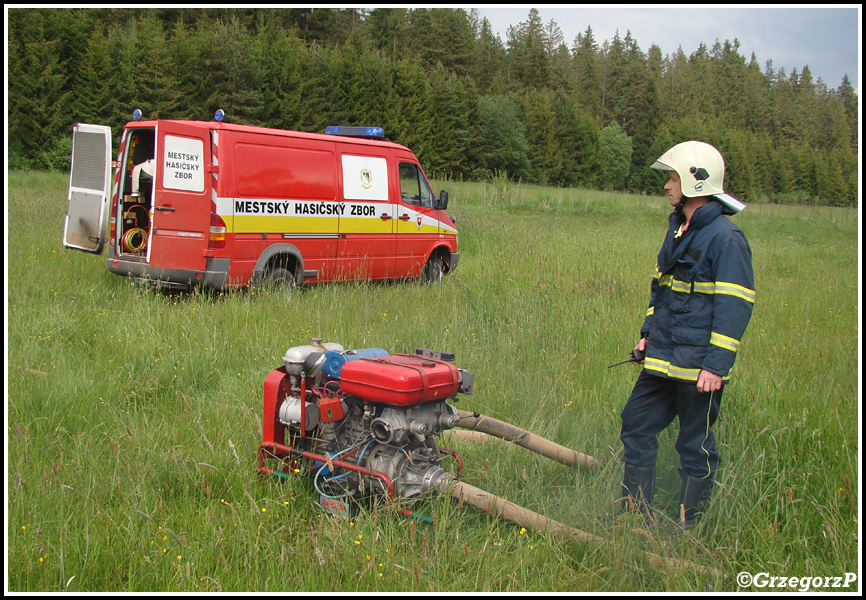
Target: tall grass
{"points": [[133, 418]]}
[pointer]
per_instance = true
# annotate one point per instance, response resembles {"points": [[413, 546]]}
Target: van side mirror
{"points": [[442, 202]]}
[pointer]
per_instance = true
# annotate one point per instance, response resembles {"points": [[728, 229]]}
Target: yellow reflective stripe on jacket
{"points": [[723, 341], [675, 284], [651, 311], [681, 286], [732, 289], [709, 287], [673, 371], [723, 287]]}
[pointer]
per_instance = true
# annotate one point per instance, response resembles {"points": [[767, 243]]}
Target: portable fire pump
{"points": [[366, 421]]}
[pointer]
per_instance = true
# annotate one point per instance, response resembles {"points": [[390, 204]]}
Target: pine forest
{"points": [[534, 108]]}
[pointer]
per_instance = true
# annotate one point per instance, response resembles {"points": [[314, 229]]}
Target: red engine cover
{"points": [[400, 379]]}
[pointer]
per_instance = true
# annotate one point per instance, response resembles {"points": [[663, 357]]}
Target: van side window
{"points": [[413, 187]]}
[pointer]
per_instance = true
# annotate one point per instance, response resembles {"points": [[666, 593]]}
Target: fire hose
{"points": [[134, 240], [531, 520], [524, 439], [522, 516]]}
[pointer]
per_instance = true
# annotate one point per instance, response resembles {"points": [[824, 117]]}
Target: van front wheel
{"points": [[433, 271], [279, 280]]}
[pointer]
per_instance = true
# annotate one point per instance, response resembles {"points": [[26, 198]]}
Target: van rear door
{"points": [[89, 188], [182, 197]]}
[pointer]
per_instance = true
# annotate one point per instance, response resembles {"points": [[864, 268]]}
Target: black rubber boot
{"points": [[693, 498], [638, 485]]}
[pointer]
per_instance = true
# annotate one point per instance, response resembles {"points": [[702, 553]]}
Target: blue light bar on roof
{"points": [[373, 133]]}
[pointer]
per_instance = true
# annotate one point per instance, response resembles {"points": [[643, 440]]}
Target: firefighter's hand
{"points": [[709, 382], [639, 353]]}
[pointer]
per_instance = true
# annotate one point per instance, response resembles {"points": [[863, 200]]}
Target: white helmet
{"points": [[702, 172]]}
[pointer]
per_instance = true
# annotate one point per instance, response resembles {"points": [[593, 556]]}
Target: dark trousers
{"points": [[652, 406]]}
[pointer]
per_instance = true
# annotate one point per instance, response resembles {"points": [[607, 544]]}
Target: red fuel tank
{"points": [[400, 379]]}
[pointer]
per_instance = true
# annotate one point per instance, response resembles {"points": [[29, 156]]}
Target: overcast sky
{"points": [[826, 38]]}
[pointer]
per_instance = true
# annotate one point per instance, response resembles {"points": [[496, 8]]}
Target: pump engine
{"points": [[365, 421]]}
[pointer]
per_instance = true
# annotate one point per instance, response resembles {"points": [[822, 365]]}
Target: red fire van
{"points": [[219, 205]]}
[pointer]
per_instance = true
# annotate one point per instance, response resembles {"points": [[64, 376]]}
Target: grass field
{"points": [[133, 418]]}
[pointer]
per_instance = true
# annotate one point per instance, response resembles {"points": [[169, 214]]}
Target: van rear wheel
{"points": [[279, 281]]}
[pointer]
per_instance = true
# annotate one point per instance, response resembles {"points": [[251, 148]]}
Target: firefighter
{"points": [[701, 301], [147, 168]]}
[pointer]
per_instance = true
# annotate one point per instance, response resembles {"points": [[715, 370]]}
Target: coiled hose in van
{"points": [[134, 240]]}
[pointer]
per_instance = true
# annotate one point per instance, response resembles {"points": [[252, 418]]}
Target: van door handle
{"points": [[166, 208], [404, 218], [386, 217]]}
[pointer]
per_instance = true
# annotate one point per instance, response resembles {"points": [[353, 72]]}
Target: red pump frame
{"points": [[275, 445]]}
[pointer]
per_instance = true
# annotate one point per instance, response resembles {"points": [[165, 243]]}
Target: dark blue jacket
{"points": [[702, 297]]}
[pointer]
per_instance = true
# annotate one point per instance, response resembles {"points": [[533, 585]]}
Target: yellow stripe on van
{"points": [[365, 225], [268, 224]]}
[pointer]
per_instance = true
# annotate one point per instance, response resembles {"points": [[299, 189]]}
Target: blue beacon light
{"points": [[363, 132]]}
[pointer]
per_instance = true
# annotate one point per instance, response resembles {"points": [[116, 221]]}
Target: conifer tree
{"points": [[38, 90], [545, 153], [98, 96], [489, 56], [587, 71], [287, 93], [527, 59]]}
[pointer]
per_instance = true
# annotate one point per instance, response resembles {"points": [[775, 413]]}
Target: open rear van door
{"points": [[89, 188], [182, 199]]}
